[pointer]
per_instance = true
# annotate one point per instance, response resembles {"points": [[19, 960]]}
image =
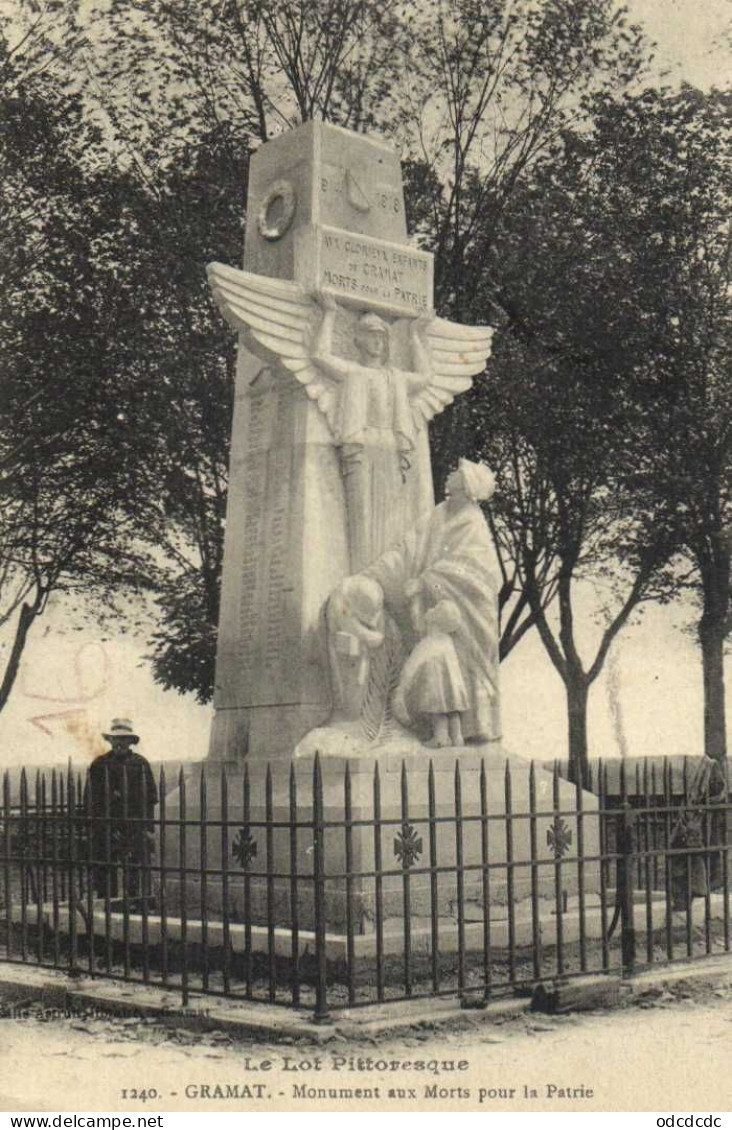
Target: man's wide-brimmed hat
{"points": [[121, 728]]}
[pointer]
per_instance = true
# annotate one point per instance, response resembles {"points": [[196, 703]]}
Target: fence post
{"points": [[162, 874], [321, 987], [182, 880], [72, 829], [269, 841], [22, 841], [626, 862], [7, 866], [294, 887], [378, 885]]}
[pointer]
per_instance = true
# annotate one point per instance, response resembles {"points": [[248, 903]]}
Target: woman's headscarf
{"points": [[480, 482]]}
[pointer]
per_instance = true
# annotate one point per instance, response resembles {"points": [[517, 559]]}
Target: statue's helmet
{"points": [[373, 323]]}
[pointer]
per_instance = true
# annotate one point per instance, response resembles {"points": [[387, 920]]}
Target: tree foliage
{"points": [[666, 158], [176, 357], [609, 393], [61, 525]]}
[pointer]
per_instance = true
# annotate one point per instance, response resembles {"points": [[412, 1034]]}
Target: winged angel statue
{"points": [[375, 411]]}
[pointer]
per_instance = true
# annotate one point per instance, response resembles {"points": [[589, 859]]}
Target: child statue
{"points": [[431, 685]]}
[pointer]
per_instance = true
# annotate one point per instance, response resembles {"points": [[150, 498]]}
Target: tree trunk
{"points": [[715, 569], [577, 689], [28, 613], [711, 637]]}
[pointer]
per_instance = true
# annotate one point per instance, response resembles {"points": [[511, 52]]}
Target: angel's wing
{"points": [[277, 316], [458, 353]]}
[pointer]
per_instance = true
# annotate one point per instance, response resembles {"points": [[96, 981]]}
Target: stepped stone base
{"points": [[418, 858]]}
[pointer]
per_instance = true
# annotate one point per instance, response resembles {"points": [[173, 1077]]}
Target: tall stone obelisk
{"points": [[325, 210]]}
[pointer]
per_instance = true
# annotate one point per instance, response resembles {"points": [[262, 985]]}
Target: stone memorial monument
{"points": [[341, 366], [358, 620]]}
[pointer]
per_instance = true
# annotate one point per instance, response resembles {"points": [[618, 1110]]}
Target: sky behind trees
{"points": [[693, 39]]}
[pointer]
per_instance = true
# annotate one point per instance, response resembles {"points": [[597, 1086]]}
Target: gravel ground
{"points": [[668, 1051]]}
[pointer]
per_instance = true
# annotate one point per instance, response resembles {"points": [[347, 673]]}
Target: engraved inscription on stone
{"points": [[275, 605], [359, 267], [264, 616], [262, 412], [251, 566], [361, 192]]}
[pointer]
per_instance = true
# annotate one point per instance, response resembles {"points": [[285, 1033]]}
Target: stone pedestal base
{"points": [[410, 864]]}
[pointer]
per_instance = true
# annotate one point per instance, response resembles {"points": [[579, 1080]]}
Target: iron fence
{"points": [[327, 888]]}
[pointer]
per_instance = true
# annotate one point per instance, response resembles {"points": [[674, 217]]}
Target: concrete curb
{"points": [[62, 995], [708, 971]]}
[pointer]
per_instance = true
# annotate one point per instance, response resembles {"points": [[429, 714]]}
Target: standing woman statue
{"points": [[447, 563]]}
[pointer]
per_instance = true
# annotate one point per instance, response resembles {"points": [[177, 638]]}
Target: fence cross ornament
{"points": [[559, 837], [408, 846], [244, 847]]}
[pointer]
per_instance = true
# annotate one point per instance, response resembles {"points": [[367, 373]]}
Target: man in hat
{"points": [[121, 798]]}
